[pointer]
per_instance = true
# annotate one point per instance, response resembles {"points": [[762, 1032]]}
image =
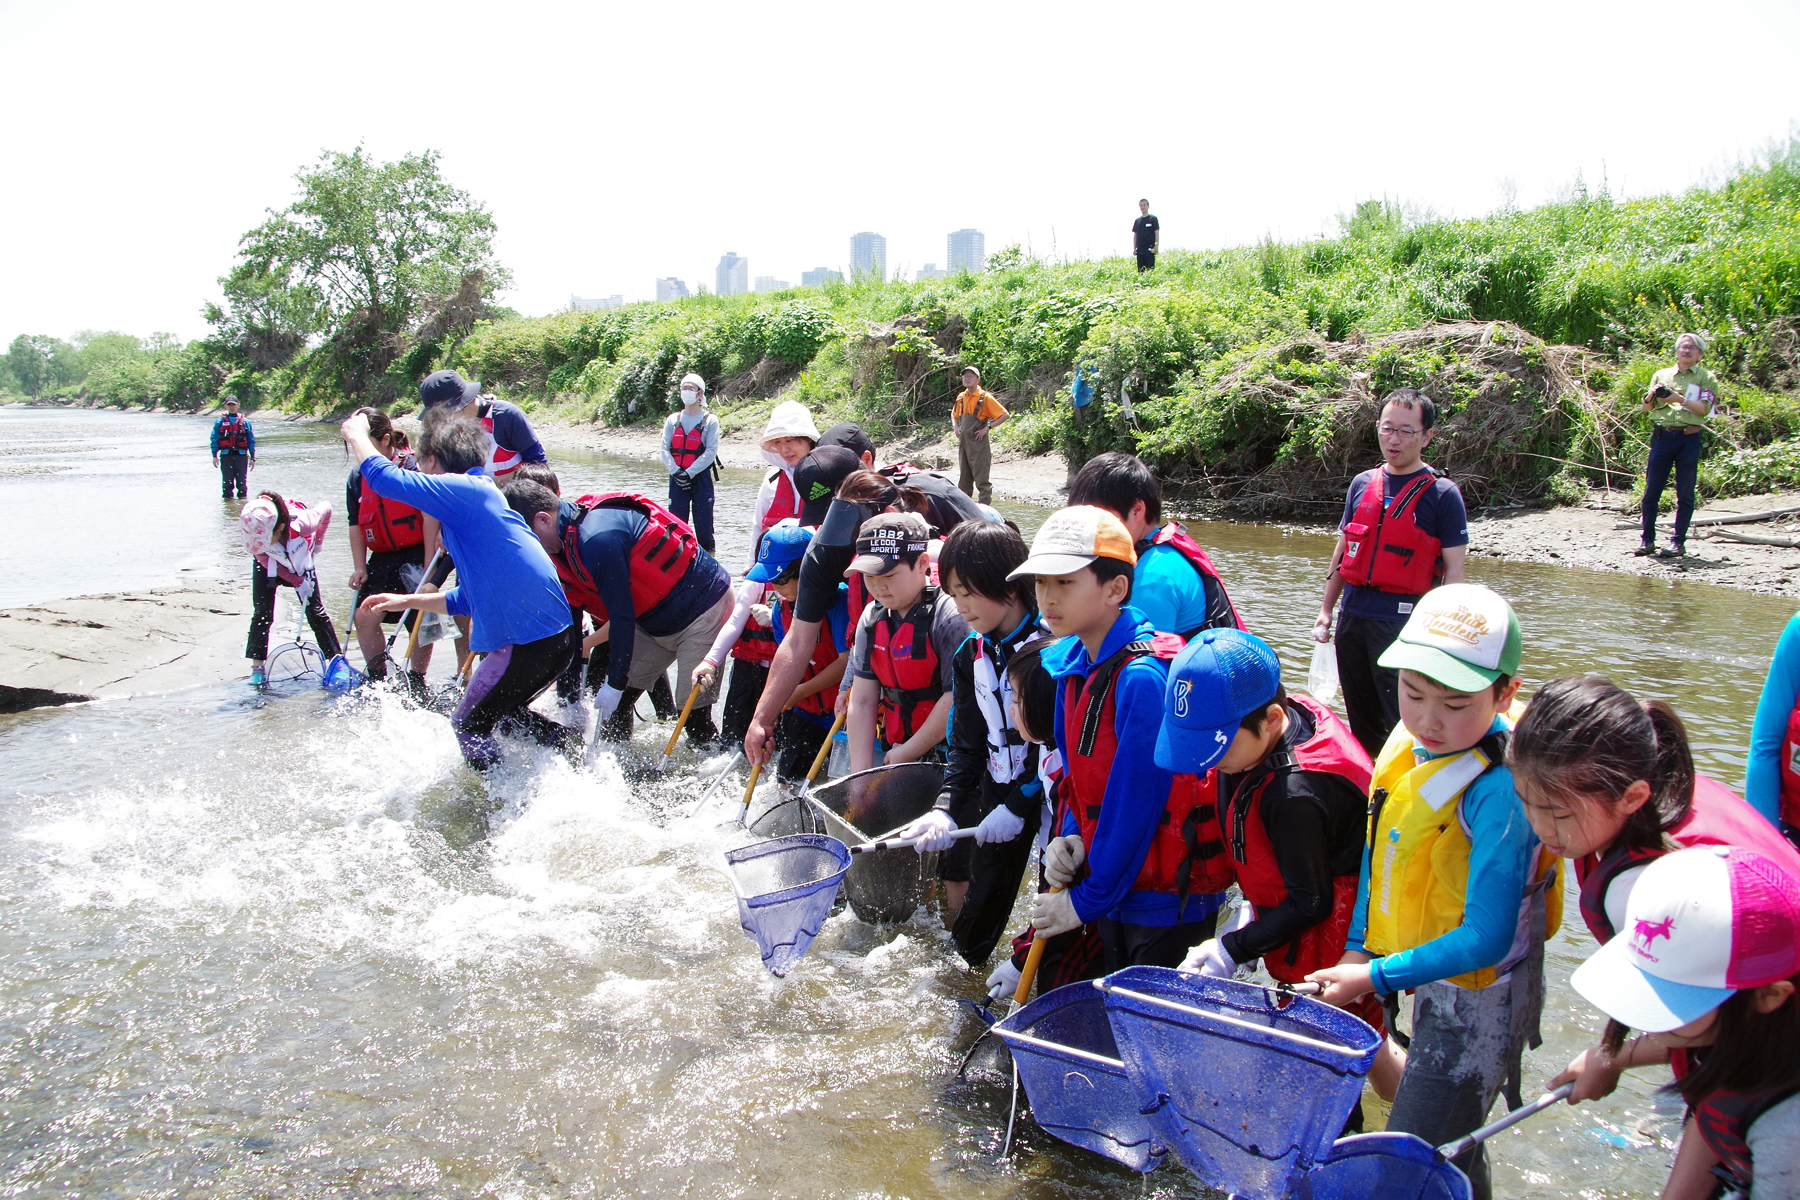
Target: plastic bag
{"points": [[1322, 678]]}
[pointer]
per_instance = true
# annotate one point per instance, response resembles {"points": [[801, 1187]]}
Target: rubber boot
{"points": [[662, 699], [702, 734], [623, 723], [415, 687]]}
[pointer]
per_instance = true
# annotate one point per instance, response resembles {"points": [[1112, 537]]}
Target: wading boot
{"points": [[662, 699], [1644, 549], [623, 723], [702, 734], [414, 688]]}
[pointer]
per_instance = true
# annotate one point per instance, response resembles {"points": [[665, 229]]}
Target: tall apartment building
{"points": [[820, 276], [733, 274], [967, 250], [671, 289], [868, 255], [768, 283]]}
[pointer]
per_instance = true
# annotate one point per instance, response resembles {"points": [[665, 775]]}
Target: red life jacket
{"points": [[1331, 750], [1718, 816], [658, 560], [387, 524], [1384, 548], [1187, 853], [234, 433], [1790, 770], [687, 445], [1175, 534], [1724, 1120], [905, 663], [785, 502], [500, 461]]}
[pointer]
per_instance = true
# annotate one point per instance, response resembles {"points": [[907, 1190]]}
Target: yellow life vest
{"points": [[1419, 851]]}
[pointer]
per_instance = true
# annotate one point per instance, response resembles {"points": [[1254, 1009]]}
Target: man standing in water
{"points": [[233, 450], [1146, 237], [1404, 532]]}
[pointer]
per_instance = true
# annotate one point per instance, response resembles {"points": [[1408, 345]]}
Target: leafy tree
{"points": [[42, 363], [353, 261]]}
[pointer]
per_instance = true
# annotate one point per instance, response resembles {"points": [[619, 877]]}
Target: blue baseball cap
{"points": [[783, 543], [1221, 677]]}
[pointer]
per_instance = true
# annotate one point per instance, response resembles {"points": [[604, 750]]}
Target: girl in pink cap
{"points": [[1706, 965], [281, 536]]}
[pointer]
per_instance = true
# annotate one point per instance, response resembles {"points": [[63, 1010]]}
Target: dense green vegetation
{"points": [[1250, 372]]}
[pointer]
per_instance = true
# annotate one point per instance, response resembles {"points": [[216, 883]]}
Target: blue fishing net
{"points": [[1394, 1166], [785, 888]]}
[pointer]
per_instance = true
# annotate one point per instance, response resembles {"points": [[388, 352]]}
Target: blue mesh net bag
{"points": [[785, 888], [1394, 1166]]}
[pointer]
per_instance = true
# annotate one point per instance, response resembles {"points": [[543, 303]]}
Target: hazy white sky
{"points": [[615, 143]]}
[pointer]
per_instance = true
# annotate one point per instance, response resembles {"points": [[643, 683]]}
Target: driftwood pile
{"points": [[1717, 527]]}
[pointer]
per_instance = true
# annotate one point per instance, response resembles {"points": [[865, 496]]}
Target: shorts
{"points": [[393, 571]]}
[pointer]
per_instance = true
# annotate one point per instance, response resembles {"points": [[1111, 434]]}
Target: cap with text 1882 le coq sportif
{"points": [[1701, 924], [1074, 537], [888, 539], [1462, 635]]}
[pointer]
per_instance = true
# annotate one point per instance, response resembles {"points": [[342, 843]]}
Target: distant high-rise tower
{"points": [[967, 250], [929, 271], [868, 255], [820, 276], [671, 289], [733, 275], [768, 283]]}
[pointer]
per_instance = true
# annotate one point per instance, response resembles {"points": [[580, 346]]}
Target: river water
{"points": [[290, 947]]}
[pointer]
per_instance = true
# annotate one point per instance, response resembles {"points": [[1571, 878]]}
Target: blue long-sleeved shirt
{"points": [[504, 581], [249, 434], [1762, 776], [1137, 790], [1501, 851], [604, 543]]}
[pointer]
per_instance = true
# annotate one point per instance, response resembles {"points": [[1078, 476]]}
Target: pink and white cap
{"points": [[258, 519], [1701, 924]]}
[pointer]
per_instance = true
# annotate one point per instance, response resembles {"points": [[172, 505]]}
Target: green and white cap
{"points": [[1462, 635]]}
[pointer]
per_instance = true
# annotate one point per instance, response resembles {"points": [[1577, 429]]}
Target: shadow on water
{"points": [[283, 944]]}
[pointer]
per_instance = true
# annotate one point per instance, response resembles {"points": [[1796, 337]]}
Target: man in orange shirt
{"points": [[975, 415]]}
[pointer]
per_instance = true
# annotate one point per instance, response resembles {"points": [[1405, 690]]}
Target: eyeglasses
{"points": [[1399, 431]]}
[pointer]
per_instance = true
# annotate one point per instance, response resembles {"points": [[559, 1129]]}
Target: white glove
{"points": [[609, 701], [1004, 981], [1062, 858], [1053, 913], [759, 613], [1210, 958], [933, 831], [1001, 825], [1246, 913]]}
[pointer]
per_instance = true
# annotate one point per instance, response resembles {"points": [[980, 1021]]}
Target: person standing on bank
{"points": [[1680, 400], [975, 415], [1404, 531], [233, 450], [1146, 237], [690, 451]]}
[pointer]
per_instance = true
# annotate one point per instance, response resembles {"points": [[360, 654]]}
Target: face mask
{"points": [[690, 396]]}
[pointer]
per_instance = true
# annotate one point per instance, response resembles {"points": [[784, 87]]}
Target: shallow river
{"points": [[287, 947]]}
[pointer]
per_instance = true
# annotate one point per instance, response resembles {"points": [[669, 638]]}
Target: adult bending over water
{"points": [[505, 583], [1679, 401]]}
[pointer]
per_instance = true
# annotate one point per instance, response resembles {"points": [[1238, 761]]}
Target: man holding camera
{"points": [[1680, 400]]}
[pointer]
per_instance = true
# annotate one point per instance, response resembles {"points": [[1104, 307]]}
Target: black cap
{"points": [[447, 387], [817, 477], [850, 437]]}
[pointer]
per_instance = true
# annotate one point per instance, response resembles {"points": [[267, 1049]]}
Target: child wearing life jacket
{"points": [[1772, 775], [991, 782], [1610, 783], [1138, 849], [387, 553], [1707, 965], [690, 451], [1175, 584], [281, 536], [900, 700], [1455, 894], [1293, 801], [505, 582]]}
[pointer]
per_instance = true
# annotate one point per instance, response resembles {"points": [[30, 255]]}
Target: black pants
{"points": [[994, 875], [1146, 260], [234, 472], [1125, 945], [741, 695], [500, 694], [1678, 450], [262, 599], [1371, 692], [799, 740], [699, 501]]}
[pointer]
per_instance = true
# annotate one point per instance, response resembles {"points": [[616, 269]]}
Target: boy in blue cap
{"points": [[1293, 797]]}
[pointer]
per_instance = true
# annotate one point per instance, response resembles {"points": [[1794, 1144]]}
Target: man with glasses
{"points": [[1404, 532]]}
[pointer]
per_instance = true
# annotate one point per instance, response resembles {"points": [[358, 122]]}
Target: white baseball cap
{"points": [[1071, 538], [1701, 924]]}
